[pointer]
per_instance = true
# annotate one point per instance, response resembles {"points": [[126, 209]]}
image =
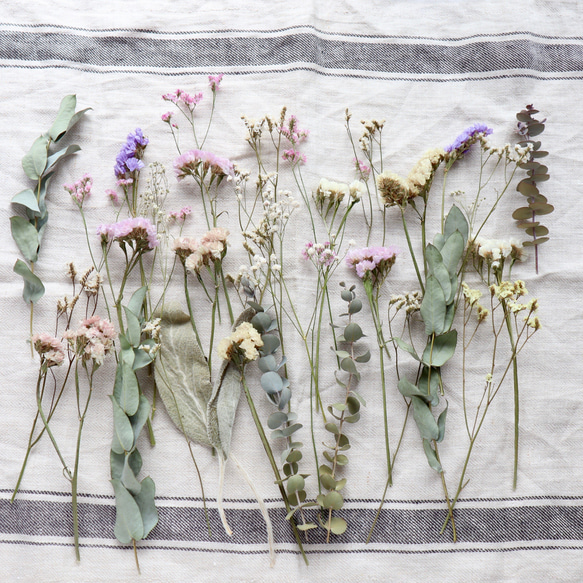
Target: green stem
{"points": [[412, 252], [273, 463], [190, 312]]}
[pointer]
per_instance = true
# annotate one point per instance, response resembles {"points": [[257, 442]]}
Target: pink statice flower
{"points": [[294, 156], [200, 162], [50, 349], [320, 254], [130, 230], [211, 247], [184, 246], [113, 196], [215, 81], [166, 117], [372, 263], [80, 190], [93, 340], [361, 168], [181, 97], [181, 214], [292, 132]]}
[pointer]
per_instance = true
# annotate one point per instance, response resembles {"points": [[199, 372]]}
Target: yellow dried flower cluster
{"points": [[244, 341], [472, 297]]}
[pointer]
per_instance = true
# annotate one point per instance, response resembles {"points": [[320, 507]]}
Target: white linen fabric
{"points": [[430, 69]]}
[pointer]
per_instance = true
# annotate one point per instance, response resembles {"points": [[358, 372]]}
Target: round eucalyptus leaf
{"points": [[338, 525], [295, 483], [348, 365], [353, 404], [353, 332], [332, 428], [261, 322], [355, 306], [333, 500], [287, 470], [340, 484], [284, 397], [341, 460], [270, 344], [328, 481], [294, 456], [324, 469], [271, 382], [267, 363], [276, 419], [346, 295]]}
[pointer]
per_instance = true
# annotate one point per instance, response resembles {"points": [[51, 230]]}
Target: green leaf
{"points": [[138, 420], [341, 460], [443, 349], [136, 302], [353, 404], [147, 505], [261, 322], [66, 112], [363, 357], [353, 332], [407, 348], [352, 418], [433, 307], [441, 423], [34, 289], [64, 153], [183, 378], [527, 188], [27, 198], [133, 330], [431, 457], [408, 389], [117, 461], [434, 381], [534, 129], [128, 392], [271, 382], [333, 500], [452, 252], [26, 237], [75, 119], [128, 478], [340, 484], [141, 357], [337, 525], [35, 160], [456, 221], [267, 363], [535, 242], [439, 241], [276, 419], [291, 429], [348, 365], [328, 481], [424, 419], [122, 426], [341, 353], [539, 231], [294, 456], [542, 208], [270, 344], [522, 213], [128, 522], [355, 306], [332, 428], [306, 526], [295, 483]]}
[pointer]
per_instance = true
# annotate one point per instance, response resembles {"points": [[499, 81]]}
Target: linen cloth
{"points": [[430, 69]]}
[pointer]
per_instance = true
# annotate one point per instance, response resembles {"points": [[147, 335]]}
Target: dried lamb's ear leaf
{"points": [[225, 399], [182, 374]]}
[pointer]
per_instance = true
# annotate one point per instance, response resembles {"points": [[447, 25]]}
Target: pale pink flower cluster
{"points": [[292, 132], [196, 254], [320, 254], [245, 340], [361, 168], [93, 340], [215, 81], [200, 161], [113, 196], [373, 261], [181, 214], [133, 229], [167, 118], [80, 190], [293, 156], [179, 96], [51, 349]]}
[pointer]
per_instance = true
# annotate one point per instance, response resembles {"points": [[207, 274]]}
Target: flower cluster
{"points": [[181, 97], [292, 132], [180, 215], [200, 162], [93, 340], [129, 158], [393, 189], [422, 173], [471, 298], [320, 254], [372, 262], [196, 254], [80, 190], [466, 139], [129, 230], [331, 192], [410, 301], [215, 81], [513, 153], [293, 156], [244, 341], [49, 348], [361, 168], [495, 251]]}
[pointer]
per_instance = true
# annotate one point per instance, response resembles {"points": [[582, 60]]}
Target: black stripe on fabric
{"points": [[241, 552], [395, 527], [297, 49], [317, 31]]}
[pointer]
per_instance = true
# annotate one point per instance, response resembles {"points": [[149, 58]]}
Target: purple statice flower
{"points": [[129, 158], [80, 190], [201, 161], [372, 263], [320, 254], [135, 229], [215, 81], [468, 137], [293, 156]]}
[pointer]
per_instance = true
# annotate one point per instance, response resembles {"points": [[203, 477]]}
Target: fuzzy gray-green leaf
{"points": [[182, 374], [26, 237], [34, 289]]}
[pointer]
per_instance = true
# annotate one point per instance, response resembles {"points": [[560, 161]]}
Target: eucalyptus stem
{"points": [[409, 244], [273, 463]]}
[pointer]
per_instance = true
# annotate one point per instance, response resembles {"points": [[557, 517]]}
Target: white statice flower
{"points": [[331, 192], [244, 341], [357, 189], [422, 173]]}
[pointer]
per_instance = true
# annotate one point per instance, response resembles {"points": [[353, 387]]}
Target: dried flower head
{"points": [[50, 349], [133, 230], [243, 344], [372, 263], [394, 189]]}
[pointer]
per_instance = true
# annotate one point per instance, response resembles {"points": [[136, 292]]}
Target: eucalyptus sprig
{"points": [[530, 127], [39, 164], [345, 411]]}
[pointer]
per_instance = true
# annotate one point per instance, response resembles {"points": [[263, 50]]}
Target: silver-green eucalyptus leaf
{"points": [[433, 307], [26, 237], [128, 478], [138, 420], [182, 374], [122, 426], [35, 160], [431, 457], [406, 347], [424, 419], [452, 252], [147, 505], [133, 329], [408, 389], [27, 198], [53, 159], [66, 112], [441, 423], [456, 221], [34, 289], [137, 301], [438, 352], [128, 521]]}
